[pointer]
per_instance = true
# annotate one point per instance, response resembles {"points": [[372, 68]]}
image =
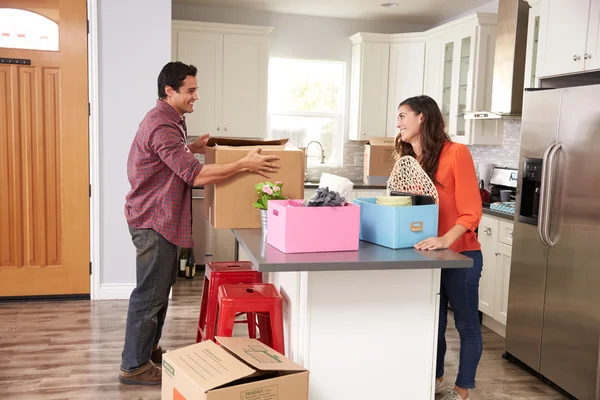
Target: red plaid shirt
{"points": [[161, 170]]}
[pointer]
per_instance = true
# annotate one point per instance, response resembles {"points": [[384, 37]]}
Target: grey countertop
{"points": [[508, 217], [267, 258]]}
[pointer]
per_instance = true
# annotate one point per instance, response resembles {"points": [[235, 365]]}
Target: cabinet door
{"points": [[533, 35], [368, 97], [245, 70], [432, 85], [564, 29], [205, 52], [592, 55], [488, 238], [407, 66], [502, 280]]}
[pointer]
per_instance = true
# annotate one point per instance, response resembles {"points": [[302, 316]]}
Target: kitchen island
{"points": [[364, 323]]}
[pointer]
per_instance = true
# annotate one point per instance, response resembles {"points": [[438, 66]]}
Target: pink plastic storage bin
{"points": [[292, 228]]}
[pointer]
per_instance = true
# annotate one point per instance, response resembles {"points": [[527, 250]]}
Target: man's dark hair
{"points": [[173, 74]]}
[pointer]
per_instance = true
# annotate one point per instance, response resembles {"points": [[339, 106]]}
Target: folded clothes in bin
{"points": [[396, 227]]}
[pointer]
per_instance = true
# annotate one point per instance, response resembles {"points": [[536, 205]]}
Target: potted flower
{"points": [[267, 191]]}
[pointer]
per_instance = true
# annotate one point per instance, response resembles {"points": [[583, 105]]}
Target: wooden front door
{"points": [[44, 178]]}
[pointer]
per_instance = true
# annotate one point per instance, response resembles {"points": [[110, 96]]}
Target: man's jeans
{"points": [[156, 272], [460, 288]]}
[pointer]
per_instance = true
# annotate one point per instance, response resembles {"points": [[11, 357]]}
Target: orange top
{"points": [[458, 190]]}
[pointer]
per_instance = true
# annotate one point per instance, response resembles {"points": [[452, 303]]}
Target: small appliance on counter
{"points": [[503, 185]]}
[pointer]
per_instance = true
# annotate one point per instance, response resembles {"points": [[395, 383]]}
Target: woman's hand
{"points": [[433, 243]]}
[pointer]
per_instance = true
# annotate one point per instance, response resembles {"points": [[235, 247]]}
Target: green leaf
{"points": [[258, 205], [259, 186]]}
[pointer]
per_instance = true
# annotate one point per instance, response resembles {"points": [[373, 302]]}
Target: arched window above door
{"points": [[22, 29]]}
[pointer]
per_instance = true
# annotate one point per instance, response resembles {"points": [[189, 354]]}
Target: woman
{"points": [[450, 167]]}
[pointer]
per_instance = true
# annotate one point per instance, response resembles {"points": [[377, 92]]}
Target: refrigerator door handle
{"points": [[550, 180], [543, 197]]}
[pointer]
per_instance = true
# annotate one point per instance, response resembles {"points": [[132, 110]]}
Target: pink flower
{"points": [[278, 183], [276, 188], [267, 190]]}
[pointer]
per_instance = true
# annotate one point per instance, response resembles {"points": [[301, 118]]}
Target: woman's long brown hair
{"points": [[432, 135]]}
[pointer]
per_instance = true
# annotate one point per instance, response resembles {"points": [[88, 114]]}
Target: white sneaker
{"points": [[452, 395], [440, 387]]}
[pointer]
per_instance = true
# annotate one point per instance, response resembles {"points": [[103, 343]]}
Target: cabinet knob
{"points": [[225, 129], [218, 129], [497, 254], [364, 133], [576, 57], [487, 231], [510, 234], [587, 56]]}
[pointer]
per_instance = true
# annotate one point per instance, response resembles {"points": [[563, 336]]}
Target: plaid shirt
{"points": [[161, 170]]}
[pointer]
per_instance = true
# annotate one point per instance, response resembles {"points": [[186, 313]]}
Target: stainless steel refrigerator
{"points": [[553, 323]]}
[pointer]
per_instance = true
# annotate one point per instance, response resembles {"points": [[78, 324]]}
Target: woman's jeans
{"points": [[460, 288], [156, 272]]}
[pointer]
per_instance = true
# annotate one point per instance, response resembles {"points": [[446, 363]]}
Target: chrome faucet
{"points": [[306, 156]]}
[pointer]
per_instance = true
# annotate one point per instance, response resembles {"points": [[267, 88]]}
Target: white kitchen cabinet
{"points": [[406, 74], [569, 33], [386, 69], [465, 62], [495, 237], [533, 35], [369, 86], [232, 62], [432, 84]]}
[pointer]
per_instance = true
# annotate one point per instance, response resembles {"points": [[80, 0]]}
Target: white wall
{"points": [[131, 54], [297, 36]]}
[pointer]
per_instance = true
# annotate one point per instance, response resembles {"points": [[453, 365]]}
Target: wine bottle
{"points": [[190, 266], [182, 262]]}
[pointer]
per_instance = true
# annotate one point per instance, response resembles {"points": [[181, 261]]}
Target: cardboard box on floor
{"points": [[239, 369], [379, 161], [229, 204]]}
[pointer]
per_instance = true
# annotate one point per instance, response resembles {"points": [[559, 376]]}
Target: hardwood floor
{"points": [[72, 350]]}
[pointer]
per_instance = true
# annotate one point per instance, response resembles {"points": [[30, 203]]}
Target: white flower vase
{"points": [[263, 220]]}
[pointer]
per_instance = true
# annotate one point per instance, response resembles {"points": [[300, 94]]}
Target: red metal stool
{"points": [[217, 274], [261, 298]]}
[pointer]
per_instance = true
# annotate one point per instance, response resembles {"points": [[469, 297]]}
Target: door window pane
{"points": [[21, 29]]}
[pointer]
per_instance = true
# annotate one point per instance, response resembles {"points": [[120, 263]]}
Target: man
{"points": [[162, 169]]}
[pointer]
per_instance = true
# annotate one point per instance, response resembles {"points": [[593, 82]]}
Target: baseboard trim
{"points": [[115, 291], [494, 325]]}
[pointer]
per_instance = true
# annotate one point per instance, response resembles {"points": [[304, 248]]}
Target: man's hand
{"points": [[261, 165], [433, 243], [199, 145]]}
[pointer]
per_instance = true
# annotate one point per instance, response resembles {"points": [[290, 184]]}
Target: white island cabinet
{"points": [[364, 323]]}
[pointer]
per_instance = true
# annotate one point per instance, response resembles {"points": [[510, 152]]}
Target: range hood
{"points": [[509, 61]]}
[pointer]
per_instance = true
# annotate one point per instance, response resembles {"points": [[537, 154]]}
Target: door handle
{"points": [[551, 173], [543, 197]]}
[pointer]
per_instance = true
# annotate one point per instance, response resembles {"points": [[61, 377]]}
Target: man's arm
{"points": [[253, 162]]}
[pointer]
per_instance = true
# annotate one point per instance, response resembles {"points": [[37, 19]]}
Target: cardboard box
{"points": [[239, 369], [229, 204], [379, 161]]}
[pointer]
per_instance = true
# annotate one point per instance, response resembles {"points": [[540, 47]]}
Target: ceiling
{"points": [[415, 11]]}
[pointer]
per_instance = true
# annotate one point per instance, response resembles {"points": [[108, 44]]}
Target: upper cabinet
{"points": [[381, 78], [531, 79], [465, 62], [452, 63], [369, 86], [232, 62], [569, 33]]}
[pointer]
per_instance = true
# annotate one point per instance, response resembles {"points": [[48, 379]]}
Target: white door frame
{"points": [[94, 148]]}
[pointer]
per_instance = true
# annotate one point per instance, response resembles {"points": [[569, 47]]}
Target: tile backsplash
{"points": [[506, 155]]}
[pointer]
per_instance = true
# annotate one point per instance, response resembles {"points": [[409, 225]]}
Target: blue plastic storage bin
{"points": [[396, 227]]}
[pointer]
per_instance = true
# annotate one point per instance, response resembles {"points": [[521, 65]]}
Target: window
{"points": [[306, 103], [20, 29]]}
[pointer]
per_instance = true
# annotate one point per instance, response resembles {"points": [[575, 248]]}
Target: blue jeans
{"points": [[460, 288], [156, 272]]}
